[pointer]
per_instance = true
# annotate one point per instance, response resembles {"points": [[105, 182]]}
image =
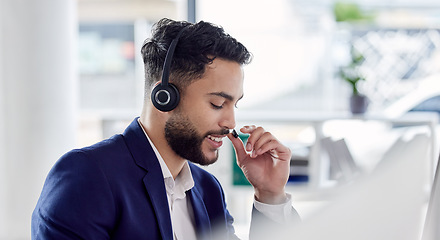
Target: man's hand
{"points": [[265, 162]]}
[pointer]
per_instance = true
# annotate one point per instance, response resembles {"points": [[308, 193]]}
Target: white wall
{"points": [[37, 102]]}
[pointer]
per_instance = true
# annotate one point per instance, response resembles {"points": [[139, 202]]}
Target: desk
{"points": [[317, 119]]}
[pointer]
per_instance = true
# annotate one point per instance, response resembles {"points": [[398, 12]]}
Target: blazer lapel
{"points": [[156, 191], [203, 224], [145, 158]]}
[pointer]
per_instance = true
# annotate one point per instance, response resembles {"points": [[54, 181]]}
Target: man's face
{"points": [[206, 113]]}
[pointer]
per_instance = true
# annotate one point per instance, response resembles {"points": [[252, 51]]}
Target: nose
{"points": [[228, 119]]}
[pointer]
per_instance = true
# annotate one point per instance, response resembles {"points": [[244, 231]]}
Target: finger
{"points": [[255, 134], [248, 129], [238, 146], [263, 139], [276, 149]]}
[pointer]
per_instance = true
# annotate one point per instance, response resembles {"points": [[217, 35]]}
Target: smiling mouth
{"points": [[215, 140]]}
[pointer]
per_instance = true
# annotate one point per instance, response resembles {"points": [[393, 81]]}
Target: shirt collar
{"points": [[183, 182]]}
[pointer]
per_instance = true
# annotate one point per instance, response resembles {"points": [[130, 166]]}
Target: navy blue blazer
{"points": [[115, 190]]}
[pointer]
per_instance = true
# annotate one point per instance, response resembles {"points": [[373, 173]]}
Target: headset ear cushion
{"points": [[165, 98]]}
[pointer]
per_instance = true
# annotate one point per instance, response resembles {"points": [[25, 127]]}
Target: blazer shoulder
{"points": [[84, 164], [109, 145], [76, 193], [105, 149]]}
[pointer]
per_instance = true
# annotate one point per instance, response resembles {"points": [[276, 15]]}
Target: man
{"points": [[143, 184]]}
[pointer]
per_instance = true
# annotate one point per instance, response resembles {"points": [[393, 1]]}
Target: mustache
{"points": [[219, 132]]}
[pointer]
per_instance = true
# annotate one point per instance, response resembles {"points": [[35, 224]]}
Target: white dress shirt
{"points": [[181, 212]]}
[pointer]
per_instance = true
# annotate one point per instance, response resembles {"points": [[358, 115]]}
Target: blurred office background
{"points": [[71, 74]]}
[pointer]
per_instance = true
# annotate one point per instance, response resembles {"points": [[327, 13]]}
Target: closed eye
{"points": [[216, 106]]}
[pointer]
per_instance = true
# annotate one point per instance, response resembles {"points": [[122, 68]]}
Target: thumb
{"points": [[238, 146]]}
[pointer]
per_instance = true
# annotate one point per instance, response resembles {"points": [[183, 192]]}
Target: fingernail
{"points": [[254, 154], [248, 147]]}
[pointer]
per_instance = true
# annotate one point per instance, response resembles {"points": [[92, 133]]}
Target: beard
{"points": [[182, 136]]}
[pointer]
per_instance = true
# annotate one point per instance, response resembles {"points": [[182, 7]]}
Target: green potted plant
{"points": [[352, 75]]}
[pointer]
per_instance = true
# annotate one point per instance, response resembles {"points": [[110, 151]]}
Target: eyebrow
{"points": [[225, 95]]}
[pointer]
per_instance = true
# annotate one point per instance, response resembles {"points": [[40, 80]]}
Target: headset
{"points": [[165, 96]]}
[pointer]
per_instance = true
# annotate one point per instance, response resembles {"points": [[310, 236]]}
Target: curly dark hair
{"points": [[198, 45]]}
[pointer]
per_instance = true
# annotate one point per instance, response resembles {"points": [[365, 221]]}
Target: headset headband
{"points": [[169, 57]]}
